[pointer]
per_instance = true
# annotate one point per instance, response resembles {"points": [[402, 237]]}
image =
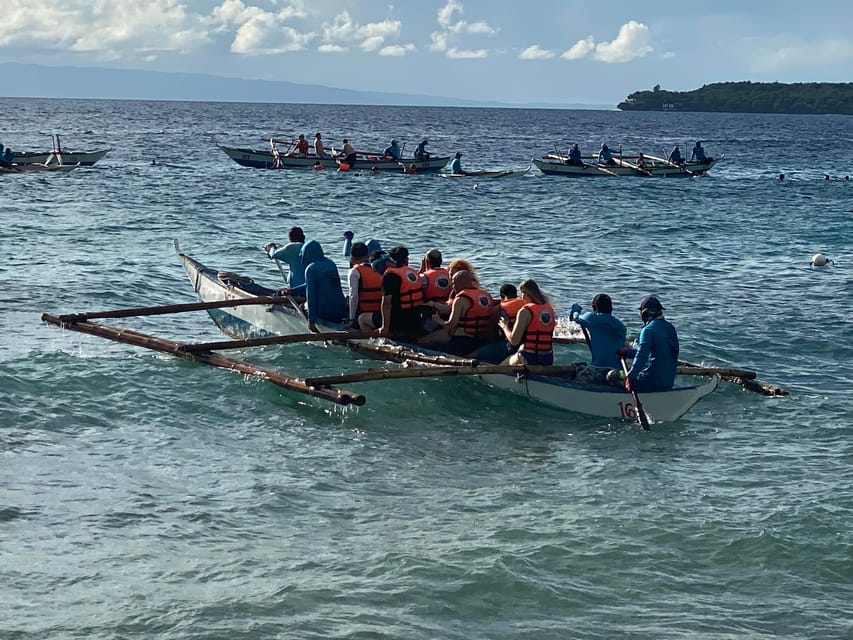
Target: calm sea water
{"points": [[142, 496]]}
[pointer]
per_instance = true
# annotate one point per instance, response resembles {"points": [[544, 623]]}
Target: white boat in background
{"points": [[489, 173], [70, 158], [280, 155], [264, 320], [553, 164]]}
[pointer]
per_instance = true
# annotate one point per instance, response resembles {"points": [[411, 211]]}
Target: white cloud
{"points": [[580, 49], [466, 53], [260, 32], [343, 32], [772, 55], [633, 41], [447, 39], [397, 50], [331, 48], [108, 28], [535, 52]]}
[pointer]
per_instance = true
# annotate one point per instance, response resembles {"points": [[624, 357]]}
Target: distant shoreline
{"points": [[817, 98]]}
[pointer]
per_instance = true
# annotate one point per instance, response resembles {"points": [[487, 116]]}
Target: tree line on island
{"points": [[748, 97]]}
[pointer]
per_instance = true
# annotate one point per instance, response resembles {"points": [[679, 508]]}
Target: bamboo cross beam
{"points": [[137, 338], [398, 353], [440, 371], [70, 318], [196, 347]]}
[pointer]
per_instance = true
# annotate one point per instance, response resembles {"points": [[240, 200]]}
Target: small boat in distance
{"points": [[70, 158], [553, 164], [489, 173], [277, 157]]}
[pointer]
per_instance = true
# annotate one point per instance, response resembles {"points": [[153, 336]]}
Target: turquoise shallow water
{"points": [[142, 496]]}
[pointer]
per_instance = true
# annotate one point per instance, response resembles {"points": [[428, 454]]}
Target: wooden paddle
{"points": [[642, 418]]}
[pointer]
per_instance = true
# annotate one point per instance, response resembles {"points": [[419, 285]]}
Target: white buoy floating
{"points": [[820, 260]]}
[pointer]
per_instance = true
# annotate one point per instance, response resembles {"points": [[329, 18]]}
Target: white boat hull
{"points": [[83, 158], [554, 165]]}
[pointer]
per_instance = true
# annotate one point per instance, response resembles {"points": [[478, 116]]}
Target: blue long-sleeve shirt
{"points": [[324, 296], [290, 255], [656, 357], [606, 336]]}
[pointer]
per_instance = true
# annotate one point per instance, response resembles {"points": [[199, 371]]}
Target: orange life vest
{"points": [[540, 332], [437, 284], [512, 306], [369, 289], [477, 320], [411, 287]]}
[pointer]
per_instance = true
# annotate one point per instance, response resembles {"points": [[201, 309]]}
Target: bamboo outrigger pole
{"points": [[137, 338]]}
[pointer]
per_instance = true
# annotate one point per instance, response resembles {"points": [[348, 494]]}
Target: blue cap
{"points": [[651, 303]]}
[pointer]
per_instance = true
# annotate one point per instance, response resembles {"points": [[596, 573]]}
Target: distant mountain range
{"points": [[38, 81]]}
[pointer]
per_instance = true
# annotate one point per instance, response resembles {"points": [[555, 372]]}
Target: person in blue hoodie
{"points": [[606, 335], [324, 297], [290, 255], [656, 357]]}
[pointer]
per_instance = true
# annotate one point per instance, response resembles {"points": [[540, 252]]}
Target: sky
{"points": [[509, 51]]}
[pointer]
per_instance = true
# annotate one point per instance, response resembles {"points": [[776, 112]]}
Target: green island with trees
{"points": [[748, 97]]}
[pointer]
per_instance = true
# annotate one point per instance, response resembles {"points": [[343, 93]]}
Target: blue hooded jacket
{"points": [[606, 336], [324, 296], [656, 359]]}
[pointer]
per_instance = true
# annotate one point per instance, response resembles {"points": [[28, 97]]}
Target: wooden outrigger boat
{"points": [[554, 164], [489, 173], [276, 158], [255, 315], [67, 158]]}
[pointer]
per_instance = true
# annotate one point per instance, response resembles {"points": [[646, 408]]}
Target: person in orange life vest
{"points": [[436, 278], [533, 331], [510, 302], [302, 146], [365, 284], [471, 323], [401, 309]]}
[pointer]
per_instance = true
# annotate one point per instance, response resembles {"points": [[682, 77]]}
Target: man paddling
{"points": [[656, 358], [606, 335]]}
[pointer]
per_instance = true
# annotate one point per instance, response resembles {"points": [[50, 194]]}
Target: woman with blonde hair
{"points": [[533, 331]]}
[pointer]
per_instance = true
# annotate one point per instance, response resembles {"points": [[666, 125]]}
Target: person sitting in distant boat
{"points": [[698, 154], [456, 165], [675, 156], [319, 149], [641, 161], [301, 146], [421, 154], [289, 254], [324, 297], [393, 152], [606, 335], [605, 157], [348, 154], [533, 330], [575, 156], [6, 156]]}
